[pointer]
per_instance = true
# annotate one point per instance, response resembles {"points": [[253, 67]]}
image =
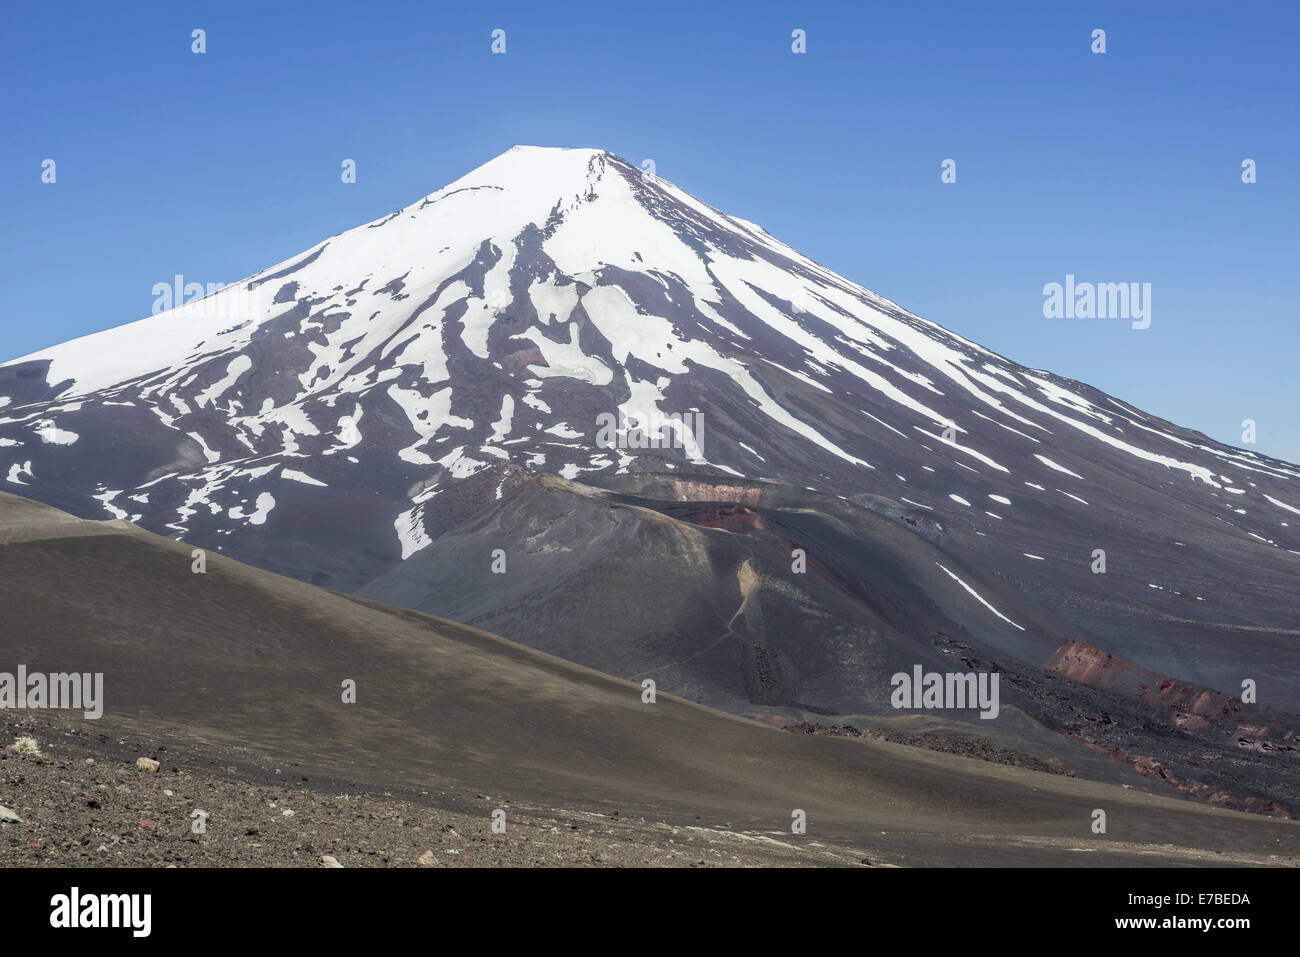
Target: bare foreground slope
{"points": [[239, 668]]}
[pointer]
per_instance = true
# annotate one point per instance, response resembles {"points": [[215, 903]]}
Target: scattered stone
{"points": [[9, 816], [146, 764], [427, 859], [330, 861], [286, 813]]}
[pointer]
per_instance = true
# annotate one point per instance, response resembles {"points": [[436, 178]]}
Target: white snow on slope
{"points": [[410, 531], [296, 476], [1052, 465], [501, 427], [1289, 508], [51, 434], [237, 367], [961, 448], [979, 598]]}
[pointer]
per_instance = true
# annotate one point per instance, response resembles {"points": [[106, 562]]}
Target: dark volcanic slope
{"points": [[691, 582], [241, 658], [694, 595]]}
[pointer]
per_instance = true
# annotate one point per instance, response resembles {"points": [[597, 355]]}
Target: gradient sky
{"points": [[1118, 167]]}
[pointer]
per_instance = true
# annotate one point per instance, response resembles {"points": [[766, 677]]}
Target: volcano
{"points": [[566, 402]]}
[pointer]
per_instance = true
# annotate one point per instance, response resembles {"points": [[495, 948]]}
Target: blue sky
{"points": [[1124, 166]]}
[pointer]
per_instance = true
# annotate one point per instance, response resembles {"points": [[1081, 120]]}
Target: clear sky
{"points": [[1115, 167]]}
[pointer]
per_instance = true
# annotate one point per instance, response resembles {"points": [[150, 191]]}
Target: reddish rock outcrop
{"points": [[1187, 707]]}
